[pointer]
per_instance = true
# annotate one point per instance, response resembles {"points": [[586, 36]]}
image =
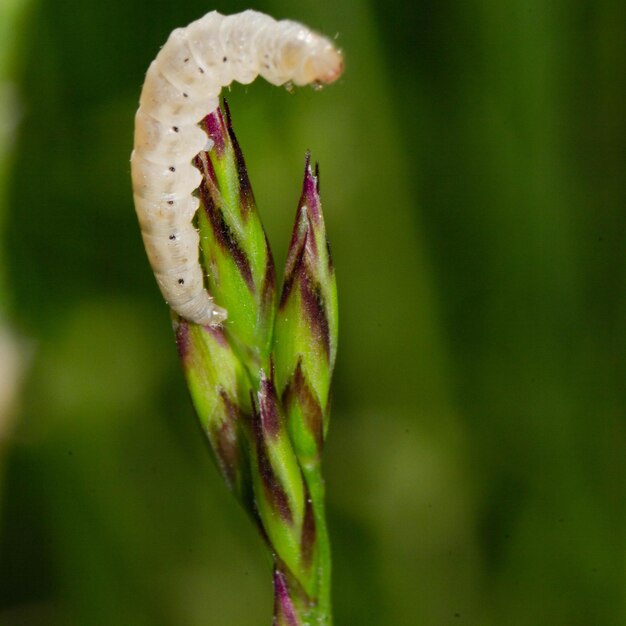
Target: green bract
{"points": [[236, 255], [261, 382], [305, 337]]}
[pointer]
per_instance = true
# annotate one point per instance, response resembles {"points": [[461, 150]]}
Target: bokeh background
{"points": [[473, 166]]}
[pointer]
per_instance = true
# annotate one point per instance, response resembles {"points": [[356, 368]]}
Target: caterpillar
{"points": [[181, 87]]}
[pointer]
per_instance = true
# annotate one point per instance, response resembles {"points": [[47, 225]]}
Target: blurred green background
{"points": [[473, 178]]}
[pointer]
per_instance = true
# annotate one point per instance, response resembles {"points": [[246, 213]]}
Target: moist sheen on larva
{"points": [[182, 86]]}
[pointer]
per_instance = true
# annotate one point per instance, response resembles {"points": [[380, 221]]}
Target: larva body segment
{"points": [[182, 86], [161, 141]]}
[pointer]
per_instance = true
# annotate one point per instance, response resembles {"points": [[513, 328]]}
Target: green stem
{"points": [[292, 606], [322, 612]]}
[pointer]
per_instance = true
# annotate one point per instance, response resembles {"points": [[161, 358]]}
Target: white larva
{"points": [[182, 86]]}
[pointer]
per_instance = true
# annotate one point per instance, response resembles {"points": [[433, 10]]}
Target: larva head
{"points": [[323, 66], [309, 58]]}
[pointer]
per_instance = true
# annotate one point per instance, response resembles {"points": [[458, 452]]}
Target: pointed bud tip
{"points": [[284, 609], [217, 129], [227, 114], [310, 188]]}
